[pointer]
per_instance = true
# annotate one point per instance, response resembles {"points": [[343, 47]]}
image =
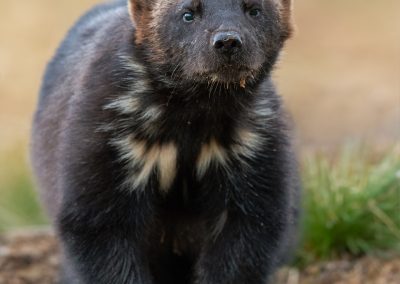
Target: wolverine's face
{"points": [[228, 41]]}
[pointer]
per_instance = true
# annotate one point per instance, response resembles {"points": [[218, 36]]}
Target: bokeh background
{"points": [[339, 76]]}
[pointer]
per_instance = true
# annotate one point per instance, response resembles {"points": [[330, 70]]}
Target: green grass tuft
{"points": [[19, 206], [351, 206]]}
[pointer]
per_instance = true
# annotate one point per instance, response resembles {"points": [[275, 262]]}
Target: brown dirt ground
{"points": [[31, 257]]}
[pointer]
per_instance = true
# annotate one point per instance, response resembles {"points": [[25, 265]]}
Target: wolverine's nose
{"points": [[227, 42]]}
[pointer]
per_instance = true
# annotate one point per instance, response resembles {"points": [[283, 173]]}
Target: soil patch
{"points": [[31, 257]]}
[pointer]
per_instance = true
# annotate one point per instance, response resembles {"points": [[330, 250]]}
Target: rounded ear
{"points": [[287, 17], [139, 9]]}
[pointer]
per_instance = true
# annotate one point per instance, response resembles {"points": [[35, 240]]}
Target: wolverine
{"points": [[160, 147]]}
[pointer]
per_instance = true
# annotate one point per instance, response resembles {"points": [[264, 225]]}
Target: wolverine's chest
{"points": [[182, 152], [168, 141]]}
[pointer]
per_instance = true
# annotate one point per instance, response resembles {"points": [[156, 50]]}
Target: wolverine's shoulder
{"points": [[102, 30]]}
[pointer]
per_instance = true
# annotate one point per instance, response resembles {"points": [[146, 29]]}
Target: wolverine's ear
{"points": [[139, 9], [287, 17]]}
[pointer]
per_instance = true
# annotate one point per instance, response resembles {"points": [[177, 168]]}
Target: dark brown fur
{"points": [[162, 159]]}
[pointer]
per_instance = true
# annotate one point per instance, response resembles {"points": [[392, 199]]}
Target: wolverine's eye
{"points": [[188, 17], [255, 12]]}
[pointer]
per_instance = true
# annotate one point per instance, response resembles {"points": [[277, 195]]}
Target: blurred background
{"points": [[339, 77]]}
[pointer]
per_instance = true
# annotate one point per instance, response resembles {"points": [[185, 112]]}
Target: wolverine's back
{"points": [[97, 33]]}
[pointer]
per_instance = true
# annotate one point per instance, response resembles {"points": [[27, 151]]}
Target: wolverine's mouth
{"points": [[239, 76]]}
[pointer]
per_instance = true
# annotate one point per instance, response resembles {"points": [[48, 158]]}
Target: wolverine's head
{"points": [[226, 41]]}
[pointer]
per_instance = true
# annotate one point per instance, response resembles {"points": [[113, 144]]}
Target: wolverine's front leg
{"points": [[250, 237], [104, 238], [245, 252]]}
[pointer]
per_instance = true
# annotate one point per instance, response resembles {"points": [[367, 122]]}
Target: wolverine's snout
{"points": [[227, 42]]}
